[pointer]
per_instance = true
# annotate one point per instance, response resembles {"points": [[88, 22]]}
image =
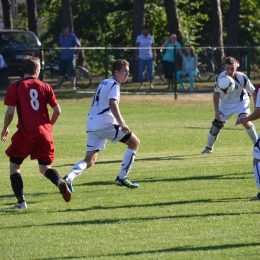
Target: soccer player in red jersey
{"points": [[31, 98]]}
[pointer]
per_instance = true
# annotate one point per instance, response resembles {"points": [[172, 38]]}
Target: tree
{"points": [[7, 13], [138, 22], [217, 29], [32, 15], [233, 27], [67, 14], [173, 20]]}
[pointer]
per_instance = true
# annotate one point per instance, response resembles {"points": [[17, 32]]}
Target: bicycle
{"points": [[160, 71], [50, 72], [209, 66]]}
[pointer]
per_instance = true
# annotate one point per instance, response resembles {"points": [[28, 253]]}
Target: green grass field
{"points": [[188, 206]]}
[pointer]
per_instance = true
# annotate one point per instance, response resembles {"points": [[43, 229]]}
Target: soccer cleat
{"points": [[207, 150], [69, 183], [126, 182], [64, 190], [257, 197], [22, 205]]}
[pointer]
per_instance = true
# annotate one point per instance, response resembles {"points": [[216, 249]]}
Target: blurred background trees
{"points": [[117, 23]]}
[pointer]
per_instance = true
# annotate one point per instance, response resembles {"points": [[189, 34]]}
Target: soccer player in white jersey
{"points": [[105, 122], [237, 102], [256, 151]]}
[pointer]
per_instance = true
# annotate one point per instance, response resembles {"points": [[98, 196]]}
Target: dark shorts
{"points": [[66, 66], [168, 68]]}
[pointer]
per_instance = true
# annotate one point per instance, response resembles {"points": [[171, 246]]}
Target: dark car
{"points": [[15, 45]]}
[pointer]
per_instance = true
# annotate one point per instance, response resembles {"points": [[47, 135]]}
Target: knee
{"points": [[216, 127], [134, 145]]}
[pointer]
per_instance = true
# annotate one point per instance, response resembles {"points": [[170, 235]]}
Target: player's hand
{"points": [[125, 128], [241, 120], [217, 115], [4, 135]]}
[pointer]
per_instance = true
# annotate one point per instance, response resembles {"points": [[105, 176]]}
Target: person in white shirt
{"points": [[105, 122], [237, 102], [145, 55], [256, 150]]}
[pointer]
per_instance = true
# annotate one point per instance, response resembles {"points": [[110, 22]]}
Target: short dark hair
{"points": [[230, 60], [118, 64], [145, 27], [30, 64], [64, 26]]}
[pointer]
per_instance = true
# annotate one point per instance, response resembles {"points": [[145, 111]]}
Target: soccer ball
{"points": [[225, 84]]}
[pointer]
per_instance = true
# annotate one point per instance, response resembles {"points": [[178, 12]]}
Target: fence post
{"points": [[106, 61], [175, 71], [41, 71], [248, 61]]}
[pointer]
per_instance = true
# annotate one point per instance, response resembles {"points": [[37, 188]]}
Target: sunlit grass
{"points": [[188, 206]]}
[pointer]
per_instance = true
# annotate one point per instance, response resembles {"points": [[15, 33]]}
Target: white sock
{"points": [[127, 163], [77, 169], [252, 133], [211, 140], [257, 174]]}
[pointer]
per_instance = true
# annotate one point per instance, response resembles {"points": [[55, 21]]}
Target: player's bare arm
{"points": [[55, 114], [255, 115], [216, 105], [116, 112], [9, 114]]}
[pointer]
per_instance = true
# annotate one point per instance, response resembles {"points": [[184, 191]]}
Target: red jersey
{"points": [[31, 96], [257, 88]]}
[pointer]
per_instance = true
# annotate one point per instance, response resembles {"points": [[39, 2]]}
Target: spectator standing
{"points": [[168, 58], [68, 56], [31, 98], [189, 67], [3, 72], [146, 55]]}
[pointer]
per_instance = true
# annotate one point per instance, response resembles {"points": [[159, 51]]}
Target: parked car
{"points": [[15, 45]]}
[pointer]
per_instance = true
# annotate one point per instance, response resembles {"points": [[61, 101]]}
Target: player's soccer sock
{"points": [[53, 176], [211, 140], [17, 186], [77, 169], [128, 161], [252, 133], [257, 174]]}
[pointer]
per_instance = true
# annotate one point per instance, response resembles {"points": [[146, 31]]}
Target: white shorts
{"points": [[97, 140], [228, 110], [256, 150]]}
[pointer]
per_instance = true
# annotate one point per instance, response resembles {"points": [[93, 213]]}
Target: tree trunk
{"points": [[7, 14], [67, 14], [173, 20], [32, 15], [138, 22], [232, 28], [217, 30]]}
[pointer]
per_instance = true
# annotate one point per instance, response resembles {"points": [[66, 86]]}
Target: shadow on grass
{"points": [[137, 219], [165, 250], [166, 158]]}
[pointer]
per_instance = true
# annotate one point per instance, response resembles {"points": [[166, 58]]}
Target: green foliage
{"points": [[103, 22], [21, 21]]}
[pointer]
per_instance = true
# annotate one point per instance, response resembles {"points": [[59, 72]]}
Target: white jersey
{"points": [[257, 101], [100, 116], [243, 86]]}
